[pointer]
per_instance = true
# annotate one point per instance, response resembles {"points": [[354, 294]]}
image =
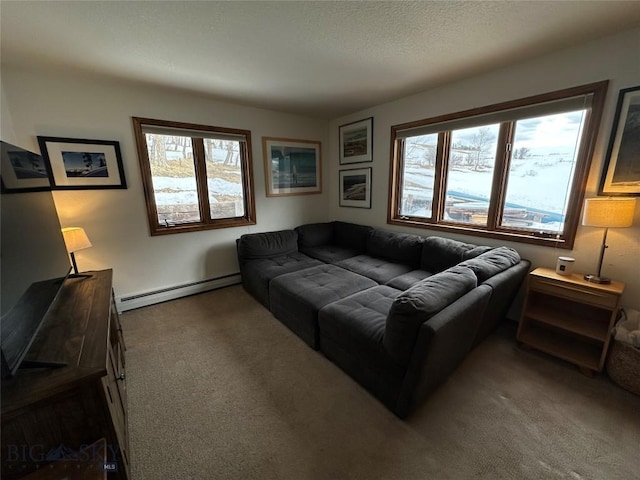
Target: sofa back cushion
{"points": [[492, 262], [269, 244], [315, 234], [351, 235], [418, 304], [475, 251], [398, 247], [440, 253]]}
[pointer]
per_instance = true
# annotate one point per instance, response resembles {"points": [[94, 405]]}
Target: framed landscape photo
{"points": [[356, 142], [22, 171], [83, 164], [355, 188], [621, 172], [292, 167]]}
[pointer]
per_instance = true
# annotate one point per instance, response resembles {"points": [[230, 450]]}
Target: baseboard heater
{"points": [[129, 302]]}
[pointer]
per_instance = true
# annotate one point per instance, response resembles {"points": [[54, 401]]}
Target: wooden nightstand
{"points": [[570, 318]]}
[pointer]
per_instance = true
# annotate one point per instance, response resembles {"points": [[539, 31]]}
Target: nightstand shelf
{"points": [[569, 318], [563, 346], [566, 316]]}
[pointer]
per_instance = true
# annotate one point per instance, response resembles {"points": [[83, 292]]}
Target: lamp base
{"points": [[78, 275], [597, 279]]}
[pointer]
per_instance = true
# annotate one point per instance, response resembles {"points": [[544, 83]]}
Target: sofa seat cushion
{"points": [[257, 274], [352, 336], [408, 280], [492, 262], [295, 298], [329, 253], [421, 302], [377, 269]]}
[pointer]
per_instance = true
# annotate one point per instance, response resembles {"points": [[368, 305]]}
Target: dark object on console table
{"points": [[49, 412]]}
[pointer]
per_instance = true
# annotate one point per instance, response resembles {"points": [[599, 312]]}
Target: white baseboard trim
{"points": [[129, 302]]}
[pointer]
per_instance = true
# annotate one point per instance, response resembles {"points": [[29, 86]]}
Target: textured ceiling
{"points": [[321, 59]]}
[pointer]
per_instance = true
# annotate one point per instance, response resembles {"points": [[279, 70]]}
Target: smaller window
{"points": [[195, 177]]}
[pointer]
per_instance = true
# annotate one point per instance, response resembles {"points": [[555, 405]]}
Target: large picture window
{"points": [[195, 177], [515, 170]]}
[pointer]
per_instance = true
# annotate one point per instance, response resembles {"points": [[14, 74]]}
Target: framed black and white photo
{"points": [[356, 142], [355, 188], [77, 164], [292, 167], [621, 173], [22, 170]]}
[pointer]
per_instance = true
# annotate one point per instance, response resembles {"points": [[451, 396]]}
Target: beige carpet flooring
{"points": [[219, 389]]}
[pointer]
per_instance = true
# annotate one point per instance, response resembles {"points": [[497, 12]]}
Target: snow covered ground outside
{"points": [[182, 191], [539, 182]]}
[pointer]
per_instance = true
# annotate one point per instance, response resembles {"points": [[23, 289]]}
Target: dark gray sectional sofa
{"points": [[397, 312]]}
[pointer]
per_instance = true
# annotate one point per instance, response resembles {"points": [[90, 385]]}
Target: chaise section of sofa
{"points": [[295, 298], [385, 338], [264, 256]]}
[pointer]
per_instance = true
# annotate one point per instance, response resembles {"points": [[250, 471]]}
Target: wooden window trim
{"points": [[493, 229], [206, 223]]}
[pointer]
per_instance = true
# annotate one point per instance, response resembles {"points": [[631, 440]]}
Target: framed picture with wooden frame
{"points": [[355, 187], [292, 167], [621, 172], [80, 164], [356, 141]]}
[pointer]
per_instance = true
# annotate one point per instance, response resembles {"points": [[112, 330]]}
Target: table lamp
{"points": [[607, 212], [75, 239]]}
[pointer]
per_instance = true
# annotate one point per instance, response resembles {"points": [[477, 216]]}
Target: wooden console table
{"points": [[570, 318], [49, 413]]}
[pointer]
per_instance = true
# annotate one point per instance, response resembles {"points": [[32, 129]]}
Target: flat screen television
{"points": [[33, 259]]}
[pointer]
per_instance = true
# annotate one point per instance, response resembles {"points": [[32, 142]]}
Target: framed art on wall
{"points": [[356, 141], [292, 167], [77, 164], [621, 172], [22, 171], [355, 188]]}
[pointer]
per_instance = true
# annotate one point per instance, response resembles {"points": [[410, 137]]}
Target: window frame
{"points": [[206, 222], [493, 229]]}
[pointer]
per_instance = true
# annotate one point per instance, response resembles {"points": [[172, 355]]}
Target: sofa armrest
{"points": [[442, 344], [505, 286], [420, 303]]}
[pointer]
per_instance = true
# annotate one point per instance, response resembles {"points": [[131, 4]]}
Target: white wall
{"points": [[54, 103], [65, 104], [614, 58]]}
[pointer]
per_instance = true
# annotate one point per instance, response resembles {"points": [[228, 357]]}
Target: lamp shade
{"points": [[608, 212], [75, 239]]}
